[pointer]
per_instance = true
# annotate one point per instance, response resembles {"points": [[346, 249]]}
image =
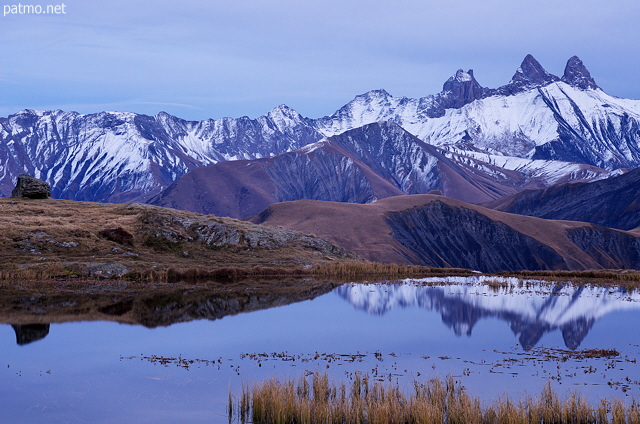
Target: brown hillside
{"points": [[439, 231], [97, 239]]}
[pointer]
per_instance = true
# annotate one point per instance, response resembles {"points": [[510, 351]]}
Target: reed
{"points": [[320, 401]]}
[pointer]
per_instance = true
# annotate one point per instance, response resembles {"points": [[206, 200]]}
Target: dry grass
{"points": [[39, 235], [437, 401]]}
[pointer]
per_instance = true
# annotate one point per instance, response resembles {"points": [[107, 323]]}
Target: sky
{"points": [[211, 59]]}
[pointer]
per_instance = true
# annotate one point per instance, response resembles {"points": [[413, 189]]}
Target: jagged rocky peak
{"points": [[461, 89], [380, 95], [529, 75], [164, 116], [462, 76], [283, 110], [378, 98], [577, 75]]}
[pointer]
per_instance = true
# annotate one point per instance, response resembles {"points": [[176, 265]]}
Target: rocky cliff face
{"points": [[611, 248], [577, 75], [439, 235], [530, 75]]}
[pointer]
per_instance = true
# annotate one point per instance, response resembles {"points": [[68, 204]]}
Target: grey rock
{"points": [[96, 269], [219, 234], [66, 244], [31, 187]]}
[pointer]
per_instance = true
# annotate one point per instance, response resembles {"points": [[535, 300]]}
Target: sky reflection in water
{"points": [[494, 340]]}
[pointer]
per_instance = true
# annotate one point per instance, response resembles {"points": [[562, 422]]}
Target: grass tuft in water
{"points": [[321, 402]]}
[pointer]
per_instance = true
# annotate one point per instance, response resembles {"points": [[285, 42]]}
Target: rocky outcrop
{"points": [[31, 187], [167, 231], [461, 89], [96, 270]]}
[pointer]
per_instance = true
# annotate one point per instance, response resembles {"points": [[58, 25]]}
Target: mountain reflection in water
{"points": [[531, 308]]}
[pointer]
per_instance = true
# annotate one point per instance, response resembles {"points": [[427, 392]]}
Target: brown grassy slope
{"points": [[360, 227], [364, 230], [53, 231]]}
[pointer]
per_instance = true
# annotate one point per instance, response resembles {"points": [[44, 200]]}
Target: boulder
{"points": [[31, 187]]}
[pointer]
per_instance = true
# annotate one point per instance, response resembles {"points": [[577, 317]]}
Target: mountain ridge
{"points": [[612, 202]]}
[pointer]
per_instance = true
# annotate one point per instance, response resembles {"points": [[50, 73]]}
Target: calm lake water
{"points": [[510, 339]]}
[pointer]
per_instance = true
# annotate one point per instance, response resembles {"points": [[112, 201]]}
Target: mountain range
{"points": [[535, 131]]}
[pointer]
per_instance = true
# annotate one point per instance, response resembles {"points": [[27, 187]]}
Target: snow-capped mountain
{"points": [[531, 311], [113, 156], [536, 116], [548, 128]]}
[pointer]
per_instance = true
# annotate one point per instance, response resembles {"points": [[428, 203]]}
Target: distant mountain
{"points": [[359, 166], [321, 171], [531, 313], [117, 157], [547, 128], [614, 202], [438, 231]]}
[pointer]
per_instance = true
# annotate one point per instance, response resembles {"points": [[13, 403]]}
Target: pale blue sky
{"points": [[209, 59]]}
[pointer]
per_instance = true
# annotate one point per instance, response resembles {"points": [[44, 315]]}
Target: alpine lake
{"points": [[174, 354]]}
